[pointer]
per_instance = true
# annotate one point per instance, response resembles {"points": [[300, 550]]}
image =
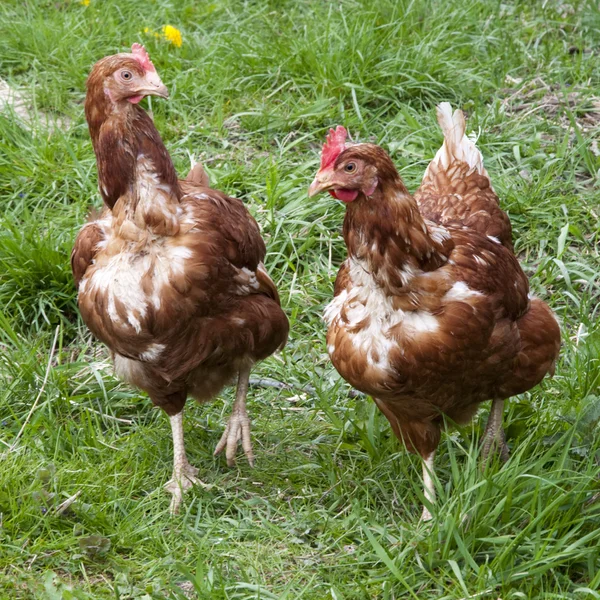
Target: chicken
{"points": [[431, 312], [170, 276]]}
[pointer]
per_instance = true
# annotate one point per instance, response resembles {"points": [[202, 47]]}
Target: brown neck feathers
{"points": [[388, 233], [123, 135]]}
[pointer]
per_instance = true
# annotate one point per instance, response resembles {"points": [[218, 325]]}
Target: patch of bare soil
{"points": [[13, 100], [538, 97]]}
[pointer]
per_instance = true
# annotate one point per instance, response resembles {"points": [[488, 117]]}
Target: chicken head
{"points": [[129, 77]]}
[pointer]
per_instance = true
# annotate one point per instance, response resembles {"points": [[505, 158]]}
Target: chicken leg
{"points": [[184, 475], [238, 427], [428, 486], [493, 438]]}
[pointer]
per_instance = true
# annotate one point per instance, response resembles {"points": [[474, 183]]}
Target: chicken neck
{"points": [[387, 234], [136, 175]]}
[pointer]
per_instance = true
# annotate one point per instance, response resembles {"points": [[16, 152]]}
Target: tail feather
{"points": [[198, 175], [456, 187], [456, 146]]}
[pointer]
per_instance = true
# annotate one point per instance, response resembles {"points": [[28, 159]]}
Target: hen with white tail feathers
{"points": [[431, 312], [456, 146], [456, 188]]}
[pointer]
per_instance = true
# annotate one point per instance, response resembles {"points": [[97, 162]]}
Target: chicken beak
{"points": [[155, 86], [161, 92], [321, 183]]}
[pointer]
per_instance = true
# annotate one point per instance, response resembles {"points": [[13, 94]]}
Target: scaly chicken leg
{"points": [[184, 474], [428, 486], [238, 427], [493, 438]]}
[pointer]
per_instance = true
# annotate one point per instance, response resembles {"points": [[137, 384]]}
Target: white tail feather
{"points": [[456, 146]]}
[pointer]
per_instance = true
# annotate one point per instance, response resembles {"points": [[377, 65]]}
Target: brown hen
{"points": [[431, 312], [171, 276]]}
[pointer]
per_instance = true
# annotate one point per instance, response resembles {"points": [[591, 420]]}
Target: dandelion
{"points": [[172, 34], [84, 2], [169, 33]]}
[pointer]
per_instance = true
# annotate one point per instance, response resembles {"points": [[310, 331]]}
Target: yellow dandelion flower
{"points": [[173, 35], [84, 2]]}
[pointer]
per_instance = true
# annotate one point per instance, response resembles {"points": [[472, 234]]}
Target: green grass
{"points": [[331, 509]]}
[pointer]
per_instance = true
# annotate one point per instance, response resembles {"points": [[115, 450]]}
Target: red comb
{"points": [[333, 146], [141, 55]]}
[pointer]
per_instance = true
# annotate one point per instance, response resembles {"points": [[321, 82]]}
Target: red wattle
{"points": [[135, 99], [344, 195]]}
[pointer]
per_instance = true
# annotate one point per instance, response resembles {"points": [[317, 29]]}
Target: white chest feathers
{"points": [[364, 312], [135, 280]]}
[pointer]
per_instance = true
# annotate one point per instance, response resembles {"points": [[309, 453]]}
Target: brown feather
{"points": [[87, 245], [198, 175]]}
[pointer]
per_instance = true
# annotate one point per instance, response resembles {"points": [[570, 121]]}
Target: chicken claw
{"points": [[238, 426], [181, 482]]}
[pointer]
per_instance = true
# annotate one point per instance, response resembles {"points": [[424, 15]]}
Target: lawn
{"points": [[332, 508]]}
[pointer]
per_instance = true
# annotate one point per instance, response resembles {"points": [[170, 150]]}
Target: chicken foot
{"points": [[428, 486], [493, 438], [184, 474], [238, 426]]}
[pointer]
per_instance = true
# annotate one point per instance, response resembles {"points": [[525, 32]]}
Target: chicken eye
{"points": [[350, 168], [126, 75]]}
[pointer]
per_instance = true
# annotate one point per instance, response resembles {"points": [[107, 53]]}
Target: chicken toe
{"points": [[238, 426], [183, 479]]}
